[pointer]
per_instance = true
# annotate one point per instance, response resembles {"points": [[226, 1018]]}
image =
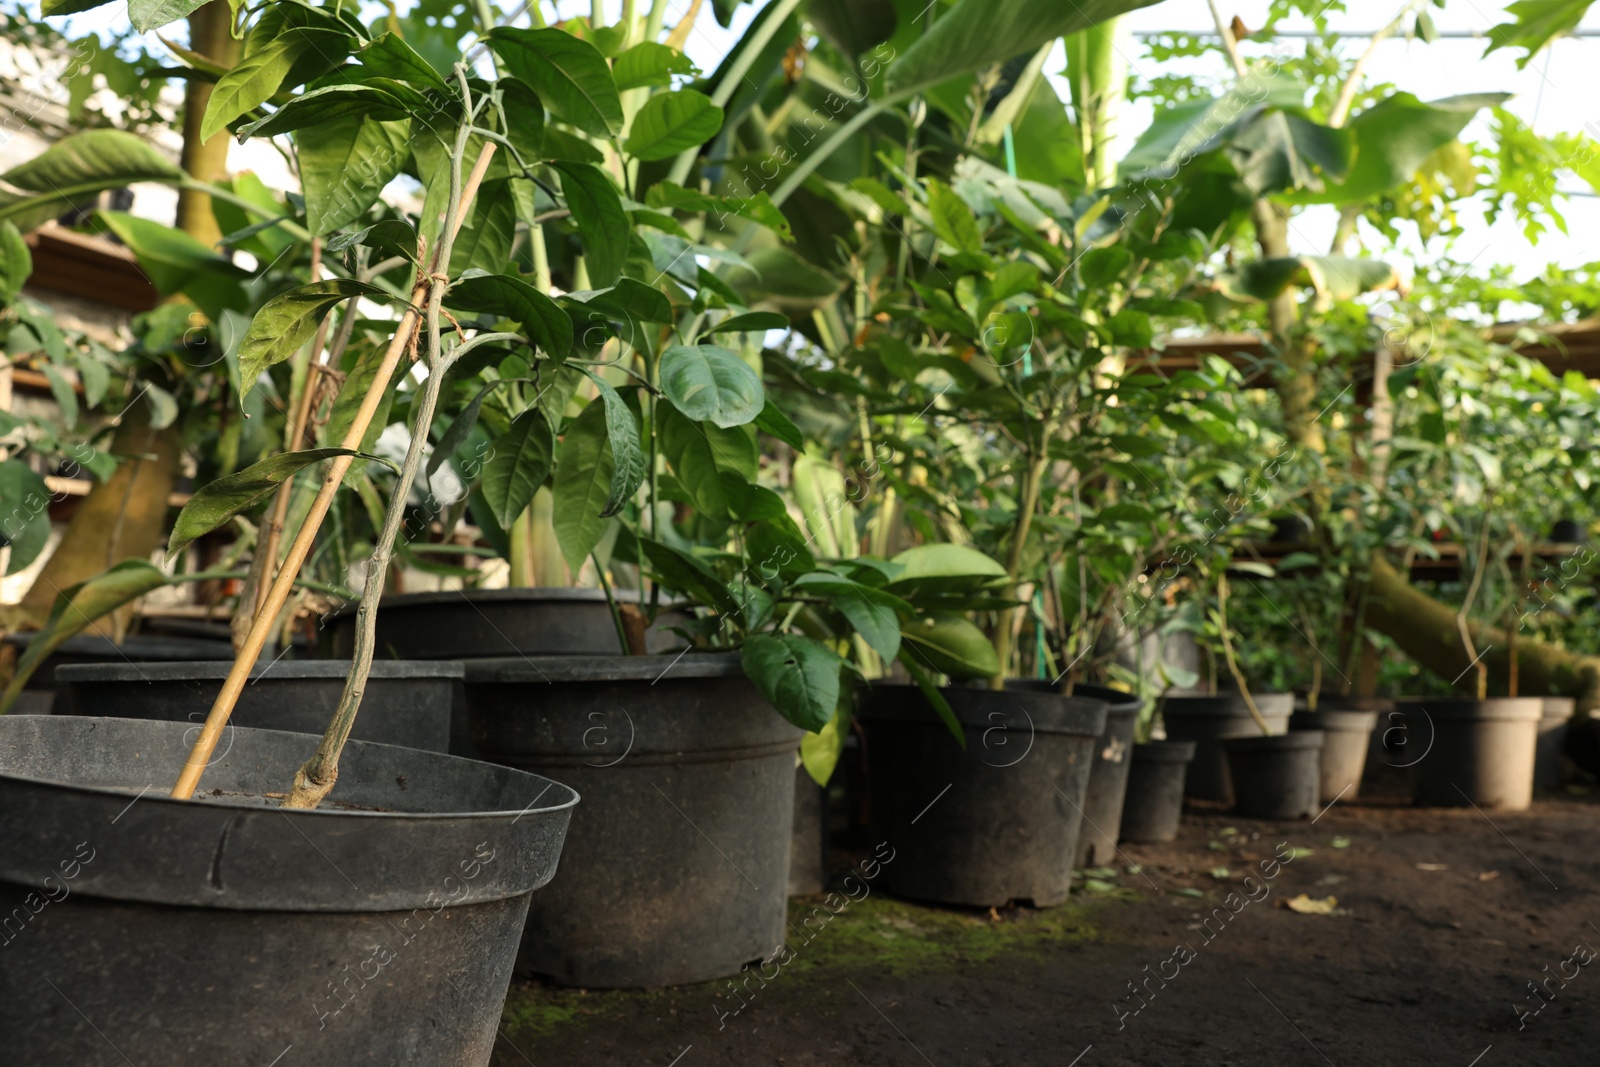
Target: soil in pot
{"points": [[377, 930], [1154, 803], [1346, 734], [995, 822], [408, 702], [1276, 777], [678, 866], [1549, 771], [486, 623], [1479, 752], [1208, 721]]}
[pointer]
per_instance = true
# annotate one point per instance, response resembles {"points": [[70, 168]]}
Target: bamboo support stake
{"points": [[211, 732]]}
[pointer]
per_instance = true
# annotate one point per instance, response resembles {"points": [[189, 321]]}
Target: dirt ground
{"points": [[1441, 920]]}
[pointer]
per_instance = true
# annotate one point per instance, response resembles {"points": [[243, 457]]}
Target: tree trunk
{"points": [[211, 34], [122, 518]]}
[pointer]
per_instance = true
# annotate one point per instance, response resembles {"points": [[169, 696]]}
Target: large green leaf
{"points": [[853, 26], [289, 320], [684, 573], [360, 375], [669, 123], [623, 434], [506, 296], [583, 484], [344, 165], [700, 454], [649, 63], [24, 513], [147, 15], [518, 465], [596, 207], [328, 104], [1537, 23], [799, 676], [484, 240], [74, 170], [214, 504], [758, 208], [953, 220], [944, 560], [1277, 150], [1394, 137], [390, 56], [252, 81], [873, 612], [979, 33], [711, 384], [951, 644], [820, 752], [176, 262], [570, 76], [16, 263]]}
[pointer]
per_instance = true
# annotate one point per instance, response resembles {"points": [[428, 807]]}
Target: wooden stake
{"points": [[211, 732]]}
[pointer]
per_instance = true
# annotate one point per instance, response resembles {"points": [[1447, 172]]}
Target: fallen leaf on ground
{"points": [[1186, 891], [1219, 872], [1096, 885], [1488, 876], [1099, 872], [1216, 846], [994, 916], [1307, 906], [1433, 866], [1227, 831], [1300, 853], [1341, 842]]}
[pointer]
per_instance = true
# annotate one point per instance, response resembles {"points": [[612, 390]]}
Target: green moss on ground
{"points": [[874, 934]]}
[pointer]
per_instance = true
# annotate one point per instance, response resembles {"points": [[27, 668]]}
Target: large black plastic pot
{"points": [[487, 623], [678, 866], [1482, 751], [39, 695], [1548, 773], [406, 703], [377, 930], [1346, 733], [1154, 802], [1208, 721], [994, 822], [1275, 777]]}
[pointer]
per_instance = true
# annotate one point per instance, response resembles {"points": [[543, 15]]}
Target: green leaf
{"points": [[700, 454], [670, 123], [78, 606], [344, 165], [328, 104], [506, 296], [820, 752], [758, 208], [649, 63], [1536, 23], [570, 76], [1334, 278], [484, 241], [775, 422], [74, 170], [250, 82], [975, 34], [524, 117], [749, 322], [875, 613], [65, 396], [944, 560], [289, 320], [147, 15], [360, 374], [684, 573], [798, 675], [69, 7], [214, 504], [711, 384], [461, 427], [585, 472], [953, 645], [941, 707], [390, 56], [25, 516], [176, 262], [16, 263], [953, 220], [596, 207], [517, 466], [622, 432]]}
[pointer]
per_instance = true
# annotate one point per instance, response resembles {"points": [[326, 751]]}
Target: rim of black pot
{"points": [[658, 668], [513, 594], [1333, 719], [1501, 709], [134, 646], [1118, 701], [1275, 742], [974, 706], [1227, 703], [1165, 751], [288, 670], [417, 757]]}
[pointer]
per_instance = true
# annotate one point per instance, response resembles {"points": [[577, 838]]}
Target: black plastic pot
{"points": [[1208, 721], [994, 822], [1276, 777], [808, 845], [678, 867], [406, 703], [1154, 802], [487, 623], [38, 696], [377, 930], [1346, 733], [1482, 751], [1548, 773]]}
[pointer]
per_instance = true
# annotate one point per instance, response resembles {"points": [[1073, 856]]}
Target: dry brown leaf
{"points": [[1488, 876], [1433, 866], [1307, 906]]}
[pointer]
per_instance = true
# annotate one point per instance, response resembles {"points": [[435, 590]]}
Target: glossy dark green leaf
{"points": [[328, 104], [507, 296], [673, 122], [344, 166], [951, 644], [289, 320], [875, 613], [708, 383], [749, 322], [684, 573], [390, 56], [775, 422], [517, 466], [649, 63], [799, 676], [585, 471], [25, 517], [16, 263], [623, 434], [570, 76], [524, 113], [76, 169], [213, 505], [596, 207]]}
